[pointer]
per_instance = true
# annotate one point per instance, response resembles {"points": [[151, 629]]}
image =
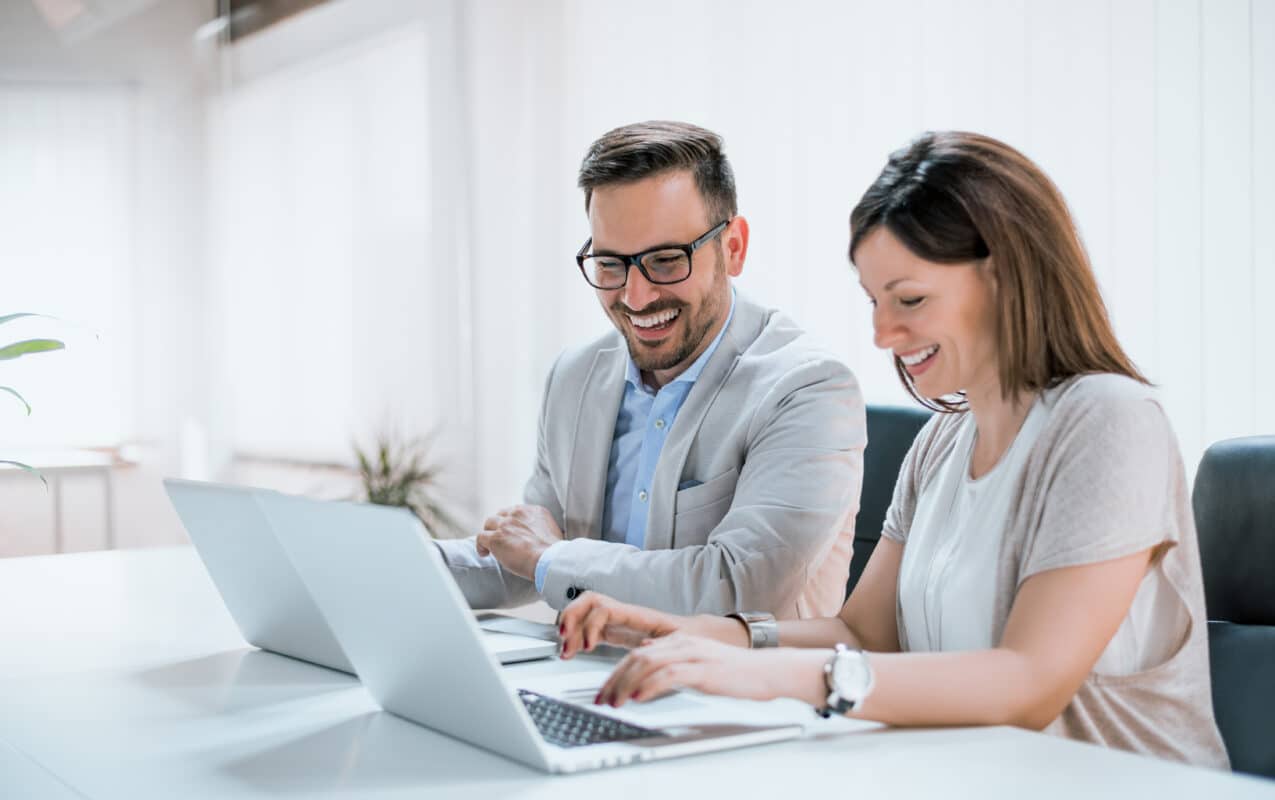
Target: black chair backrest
{"points": [[891, 430], [1234, 504]]}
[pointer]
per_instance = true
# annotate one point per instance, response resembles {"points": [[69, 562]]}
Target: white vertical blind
{"points": [[320, 222], [67, 215]]}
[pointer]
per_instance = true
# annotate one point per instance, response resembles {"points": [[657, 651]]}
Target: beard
{"points": [[696, 323]]}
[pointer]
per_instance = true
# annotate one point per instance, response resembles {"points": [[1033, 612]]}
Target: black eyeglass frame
{"points": [[635, 260]]}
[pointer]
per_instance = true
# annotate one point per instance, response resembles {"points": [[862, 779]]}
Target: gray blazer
{"points": [[769, 444]]}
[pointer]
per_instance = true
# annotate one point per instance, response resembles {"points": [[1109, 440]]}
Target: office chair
{"points": [[891, 430], [1234, 504]]}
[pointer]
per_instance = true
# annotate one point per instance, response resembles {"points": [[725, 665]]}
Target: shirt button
{"points": [[642, 495], [659, 423]]}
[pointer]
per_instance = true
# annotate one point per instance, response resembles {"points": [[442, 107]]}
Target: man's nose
{"points": [[638, 291]]}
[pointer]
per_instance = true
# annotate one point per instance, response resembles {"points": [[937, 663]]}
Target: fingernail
{"points": [[597, 698], [562, 630]]}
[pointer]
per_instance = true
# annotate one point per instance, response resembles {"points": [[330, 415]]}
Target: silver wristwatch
{"points": [[763, 631], [848, 676]]}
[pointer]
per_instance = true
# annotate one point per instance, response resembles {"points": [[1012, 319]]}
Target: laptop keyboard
{"points": [[568, 725]]}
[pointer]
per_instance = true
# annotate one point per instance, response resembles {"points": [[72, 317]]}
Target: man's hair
{"points": [[643, 149], [952, 197]]}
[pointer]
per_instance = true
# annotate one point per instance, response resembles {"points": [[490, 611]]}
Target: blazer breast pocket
{"points": [[698, 509]]}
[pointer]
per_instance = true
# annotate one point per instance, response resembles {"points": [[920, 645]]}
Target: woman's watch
{"points": [[848, 676], [763, 631]]}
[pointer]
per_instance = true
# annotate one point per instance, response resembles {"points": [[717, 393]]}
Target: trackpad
{"points": [[673, 702], [499, 623]]}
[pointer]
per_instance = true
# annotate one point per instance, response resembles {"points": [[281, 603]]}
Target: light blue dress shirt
{"points": [[641, 427]]}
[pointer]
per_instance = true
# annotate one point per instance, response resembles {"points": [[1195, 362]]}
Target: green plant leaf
{"points": [[29, 346], [28, 468], [20, 315], [21, 399]]}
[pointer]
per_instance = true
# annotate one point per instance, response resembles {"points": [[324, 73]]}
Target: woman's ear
{"points": [[987, 269]]}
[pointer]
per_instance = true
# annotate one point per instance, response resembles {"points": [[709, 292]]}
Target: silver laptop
{"points": [[268, 600], [404, 623]]}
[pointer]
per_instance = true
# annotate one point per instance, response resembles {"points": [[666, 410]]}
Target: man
{"points": [[704, 457]]}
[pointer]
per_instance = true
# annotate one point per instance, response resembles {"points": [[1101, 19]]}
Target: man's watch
{"points": [[763, 631], [848, 676]]}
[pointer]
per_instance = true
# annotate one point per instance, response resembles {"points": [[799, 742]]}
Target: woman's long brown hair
{"points": [[953, 197]]}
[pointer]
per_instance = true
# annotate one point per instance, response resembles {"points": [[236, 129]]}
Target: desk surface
{"points": [[122, 675]]}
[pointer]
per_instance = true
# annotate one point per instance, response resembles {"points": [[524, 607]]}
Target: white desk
{"points": [[57, 464], [121, 675]]}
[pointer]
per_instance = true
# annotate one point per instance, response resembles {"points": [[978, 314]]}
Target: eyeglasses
{"points": [[663, 265]]}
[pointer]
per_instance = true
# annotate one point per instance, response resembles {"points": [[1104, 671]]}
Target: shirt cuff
{"points": [[542, 566]]}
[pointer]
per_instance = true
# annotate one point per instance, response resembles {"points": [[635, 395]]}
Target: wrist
{"points": [[806, 680], [727, 630]]}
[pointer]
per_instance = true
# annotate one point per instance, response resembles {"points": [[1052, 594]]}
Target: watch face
{"points": [[850, 675]]}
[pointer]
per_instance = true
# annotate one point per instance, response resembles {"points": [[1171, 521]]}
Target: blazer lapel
{"points": [[591, 448], [743, 331]]}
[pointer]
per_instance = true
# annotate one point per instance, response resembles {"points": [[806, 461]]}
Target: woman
{"points": [[1038, 564]]}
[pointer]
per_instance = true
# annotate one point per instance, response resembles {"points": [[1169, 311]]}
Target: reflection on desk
{"points": [[169, 701]]}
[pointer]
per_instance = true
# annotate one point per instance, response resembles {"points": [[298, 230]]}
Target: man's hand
{"points": [[517, 536]]}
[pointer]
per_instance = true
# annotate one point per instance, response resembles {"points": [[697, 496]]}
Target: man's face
{"points": [[666, 326]]}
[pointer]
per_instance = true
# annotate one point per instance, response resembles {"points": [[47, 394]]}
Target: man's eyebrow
{"points": [[605, 251]]}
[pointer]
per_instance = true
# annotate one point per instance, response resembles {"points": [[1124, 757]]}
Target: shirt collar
{"points": [[691, 374]]}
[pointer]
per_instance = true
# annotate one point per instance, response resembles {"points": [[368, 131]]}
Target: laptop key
{"points": [[568, 725]]}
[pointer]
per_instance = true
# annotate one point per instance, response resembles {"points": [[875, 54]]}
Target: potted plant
{"points": [[404, 473], [18, 349]]}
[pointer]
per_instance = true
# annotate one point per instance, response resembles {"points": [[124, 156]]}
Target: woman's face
{"points": [[937, 318]]}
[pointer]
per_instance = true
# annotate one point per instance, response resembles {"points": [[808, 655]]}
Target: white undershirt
{"points": [[947, 578]]}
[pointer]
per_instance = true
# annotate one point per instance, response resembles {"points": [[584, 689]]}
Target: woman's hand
{"points": [[594, 619], [681, 661]]}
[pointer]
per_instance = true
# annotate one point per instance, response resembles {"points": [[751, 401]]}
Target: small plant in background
{"points": [[18, 349], [405, 473]]}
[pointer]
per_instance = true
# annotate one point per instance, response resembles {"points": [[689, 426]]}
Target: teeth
{"points": [[654, 319], [919, 356]]}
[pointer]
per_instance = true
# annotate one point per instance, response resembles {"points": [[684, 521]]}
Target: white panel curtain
{"points": [[67, 215], [320, 221]]}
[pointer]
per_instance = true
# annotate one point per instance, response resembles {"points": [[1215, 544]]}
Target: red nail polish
{"points": [[562, 630]]}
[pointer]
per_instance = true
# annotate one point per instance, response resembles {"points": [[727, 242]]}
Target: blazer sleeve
{"points": [[798, 485], [482, 580]]}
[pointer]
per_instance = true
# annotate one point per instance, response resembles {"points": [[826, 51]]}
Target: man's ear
{"points": [[735, 245]]}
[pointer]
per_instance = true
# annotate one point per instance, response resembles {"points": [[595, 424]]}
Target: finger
{"points": [[635, 683], [666, 680], [624, 636], [482, 543], [570, 620], [593, 625], [630, 674], [584, 636]]}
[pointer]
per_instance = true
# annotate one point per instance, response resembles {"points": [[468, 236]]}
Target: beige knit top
{"points": [[1104, 479]]}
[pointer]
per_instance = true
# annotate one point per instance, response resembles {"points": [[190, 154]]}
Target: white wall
{"points": [[370, 211], [1149, 115], [1146, 114]]}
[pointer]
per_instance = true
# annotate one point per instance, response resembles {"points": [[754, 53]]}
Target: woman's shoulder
{"points": [[1105, 411], [1104, 389]]}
